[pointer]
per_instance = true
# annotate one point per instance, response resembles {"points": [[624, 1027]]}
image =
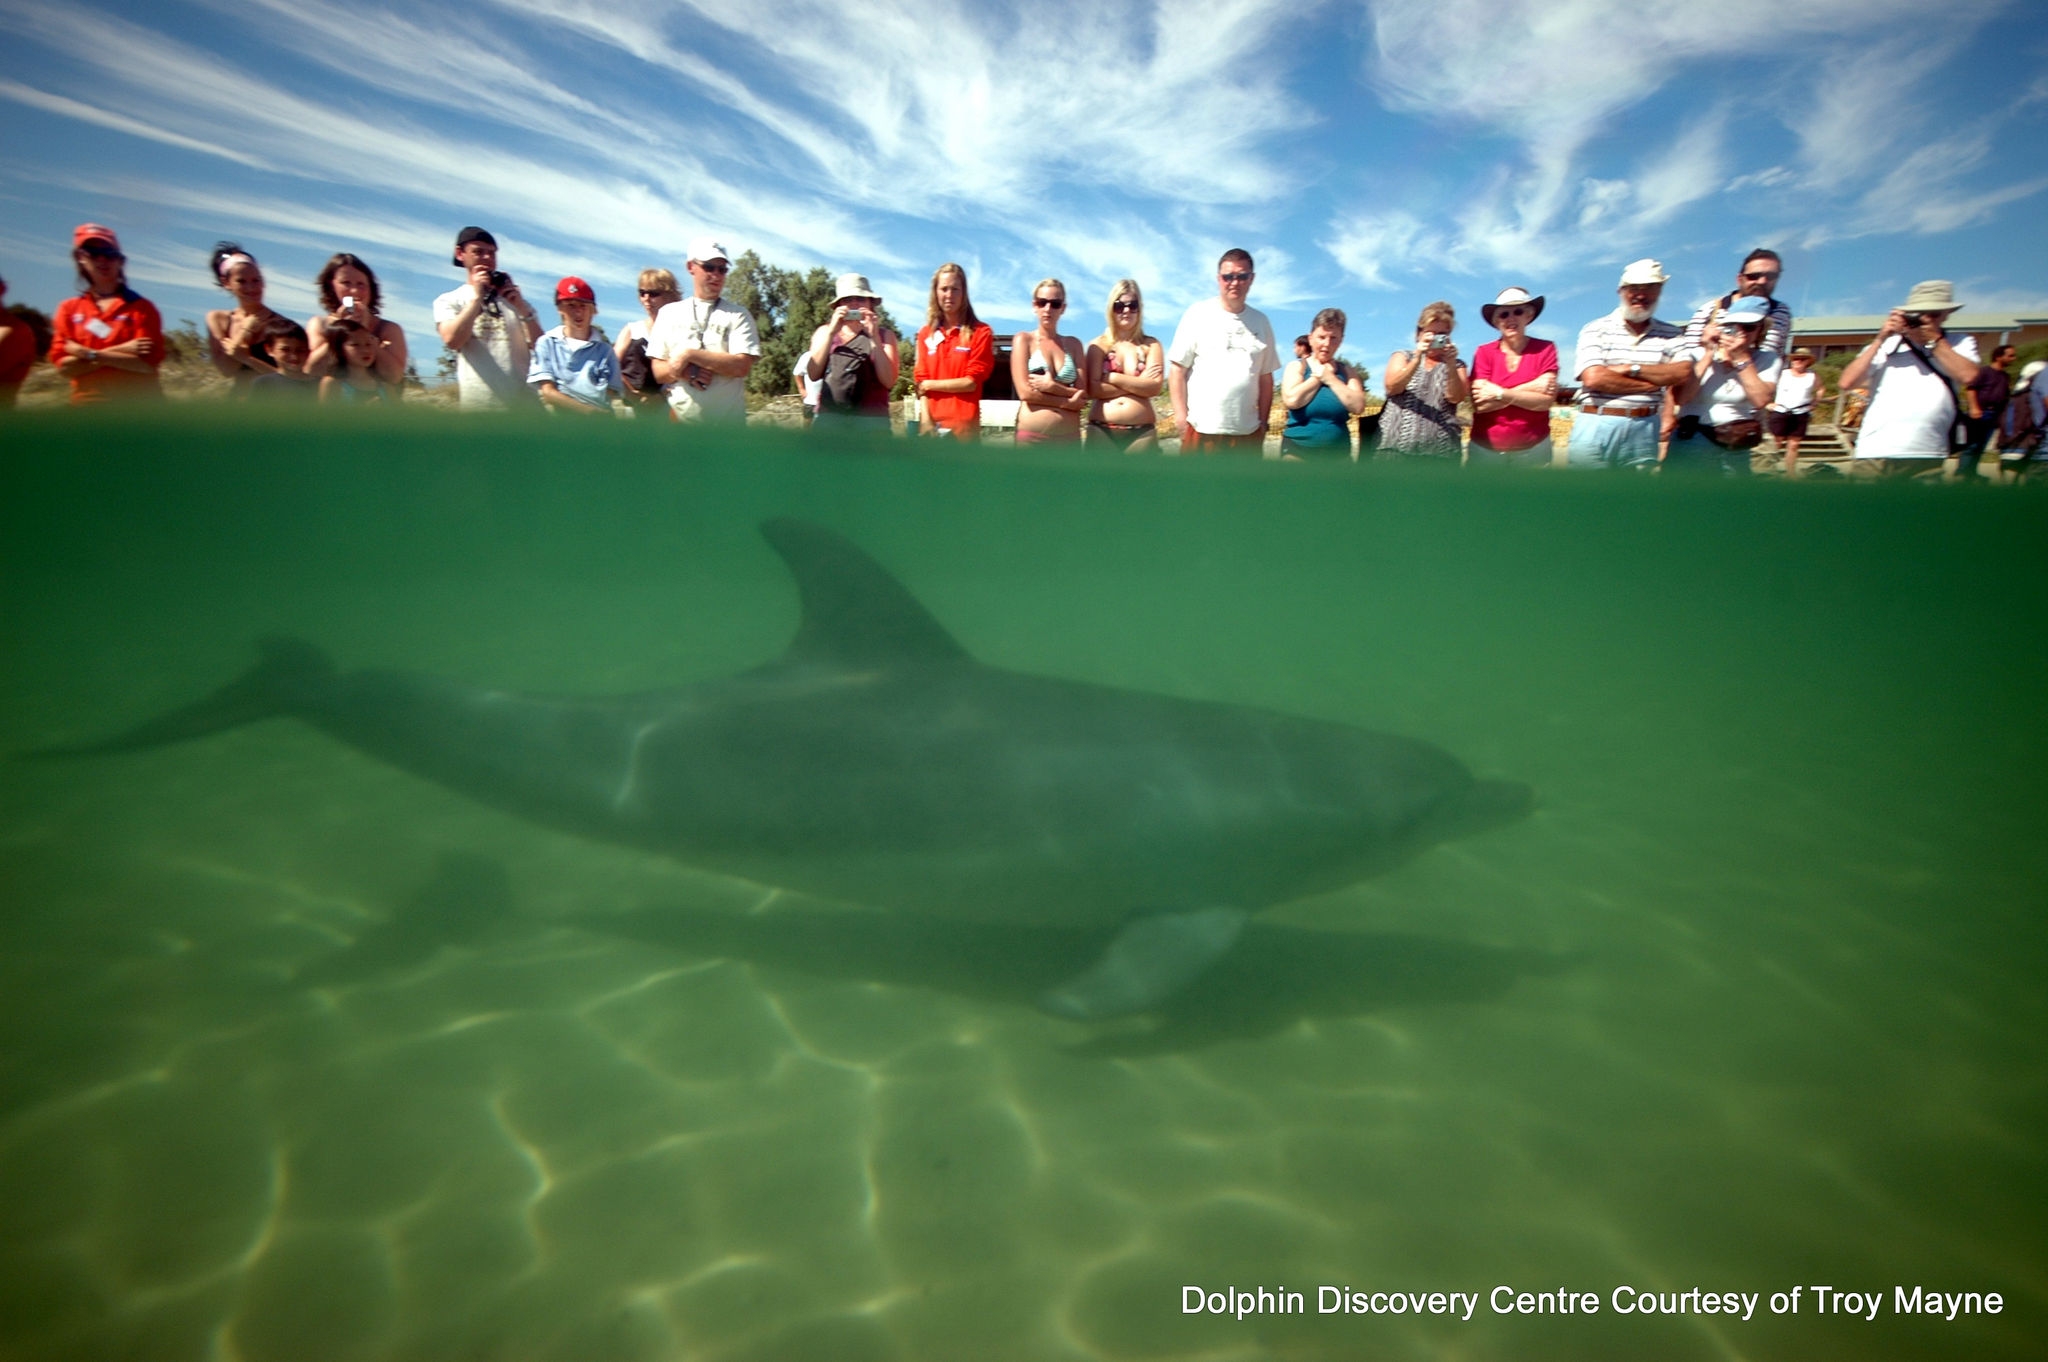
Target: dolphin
{"points": [[877, 763]]}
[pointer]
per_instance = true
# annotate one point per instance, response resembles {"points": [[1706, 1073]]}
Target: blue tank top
{"points": [[1324, 420]]}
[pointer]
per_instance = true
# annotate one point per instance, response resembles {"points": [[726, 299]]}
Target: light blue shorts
{"points": [[1613, 441]]}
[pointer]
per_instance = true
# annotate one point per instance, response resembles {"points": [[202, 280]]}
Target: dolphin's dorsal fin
{"points": [[854, 612]]}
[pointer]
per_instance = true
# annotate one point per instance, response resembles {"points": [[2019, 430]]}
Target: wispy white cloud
{"points": [[1574, 78], [103, 118]]}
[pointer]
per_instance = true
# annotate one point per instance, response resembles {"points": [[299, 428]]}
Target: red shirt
{"points": [[1512, 428], [131, 316], [17, 356], [942, 353]]}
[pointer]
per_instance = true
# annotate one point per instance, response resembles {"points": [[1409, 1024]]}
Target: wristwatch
{"points": [[1635, 371]]}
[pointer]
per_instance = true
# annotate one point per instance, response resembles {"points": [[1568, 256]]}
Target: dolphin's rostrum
{"points": [[876, 762]]}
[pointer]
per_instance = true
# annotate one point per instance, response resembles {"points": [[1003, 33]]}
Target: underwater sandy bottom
{"points": [[1716, 1017]]}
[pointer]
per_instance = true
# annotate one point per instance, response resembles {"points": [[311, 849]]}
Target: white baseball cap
{"points": [[703, 248]]}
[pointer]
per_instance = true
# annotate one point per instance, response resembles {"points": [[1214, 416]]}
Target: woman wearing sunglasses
{"points": [[658, 289], [1045, 366], [1126, 370], [108, 340], [1514, 383]]}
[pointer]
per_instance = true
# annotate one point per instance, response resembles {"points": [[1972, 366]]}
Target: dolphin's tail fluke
{"points": [[291, 674]]}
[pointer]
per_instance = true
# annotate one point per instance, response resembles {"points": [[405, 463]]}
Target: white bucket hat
{"points": [[1644, 272], [1512, 297], [853, 286], [1931, 295]]}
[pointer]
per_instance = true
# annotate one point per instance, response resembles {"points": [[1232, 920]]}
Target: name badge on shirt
{"points": [[98, 328]]}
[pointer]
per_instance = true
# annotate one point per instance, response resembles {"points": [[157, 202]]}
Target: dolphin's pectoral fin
{"points": [[1149, 961]]}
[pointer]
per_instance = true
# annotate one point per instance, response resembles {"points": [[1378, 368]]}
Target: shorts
{"points": [[1787, 425], [1929, 466], [1613, 441], [1197, 442]]}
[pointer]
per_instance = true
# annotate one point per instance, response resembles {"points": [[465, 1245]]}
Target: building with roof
{"points": [[1832, 335]]}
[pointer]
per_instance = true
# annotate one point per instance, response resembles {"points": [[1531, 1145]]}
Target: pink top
{"points": [[1512, 428]]}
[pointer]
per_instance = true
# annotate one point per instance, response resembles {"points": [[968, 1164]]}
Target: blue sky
{"points": [[1374, 156]]}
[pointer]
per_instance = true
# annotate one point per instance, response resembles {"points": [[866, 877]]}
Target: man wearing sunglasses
{"points": [[702, 346], [1221, 367], [1758, 278]]}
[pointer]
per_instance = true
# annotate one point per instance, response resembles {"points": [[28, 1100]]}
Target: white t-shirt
{"points": [[1722, 398], [693, 324], [1911, 404], [1795, 390], [490, 371], [1225, 354]]}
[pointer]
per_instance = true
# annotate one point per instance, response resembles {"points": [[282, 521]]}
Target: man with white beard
{"points": [[1626, 361]]}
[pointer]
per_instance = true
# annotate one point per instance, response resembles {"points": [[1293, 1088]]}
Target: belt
{"points": [[1618, 411]]}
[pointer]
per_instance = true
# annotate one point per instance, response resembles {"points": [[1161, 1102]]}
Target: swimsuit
{"points": [[1067, 371], [1121, 434]]}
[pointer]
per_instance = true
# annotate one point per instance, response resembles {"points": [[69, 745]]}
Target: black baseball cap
{"points": [[467, 235]]}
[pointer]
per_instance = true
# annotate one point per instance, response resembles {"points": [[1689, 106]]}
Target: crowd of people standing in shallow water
{"points": [[1647, 392]]}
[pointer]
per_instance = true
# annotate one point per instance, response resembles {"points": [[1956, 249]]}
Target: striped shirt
{"points": [[1777, 325], [1608, 340]]}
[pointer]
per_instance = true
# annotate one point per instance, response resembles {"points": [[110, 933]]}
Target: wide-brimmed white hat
{"points": [[1931, 295], [853, 286], [1512, 297], [1644, 271]]}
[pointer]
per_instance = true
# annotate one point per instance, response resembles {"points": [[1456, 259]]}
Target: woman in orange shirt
{"points": [[956, 352], [108, 340]]}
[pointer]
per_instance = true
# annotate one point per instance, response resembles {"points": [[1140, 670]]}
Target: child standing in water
{"points": [[355, 378]]}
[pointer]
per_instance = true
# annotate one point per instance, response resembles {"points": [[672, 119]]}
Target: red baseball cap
{"points": [[92, 231], [572, 289]]}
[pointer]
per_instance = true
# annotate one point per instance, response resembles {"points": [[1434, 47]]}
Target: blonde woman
{"points": [[956, 352], [1126, 370], [1045, 366], [658, 289], [1424, 387]]}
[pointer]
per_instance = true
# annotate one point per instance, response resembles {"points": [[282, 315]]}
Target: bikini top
{"points": [[1067, 371]]}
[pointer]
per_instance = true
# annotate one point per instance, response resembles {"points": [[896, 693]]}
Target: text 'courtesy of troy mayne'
{"points": [[1239, 1302]]}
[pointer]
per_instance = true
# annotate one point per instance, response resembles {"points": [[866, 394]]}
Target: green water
{"points": [[1754, 1001]]}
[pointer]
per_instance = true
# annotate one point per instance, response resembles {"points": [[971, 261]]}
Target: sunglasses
{"points": [[713, 266], [1761, 275], [1514, 312], [656, 292], [1236, 277], [1124, 306], [101, 253], [1056, 304]]}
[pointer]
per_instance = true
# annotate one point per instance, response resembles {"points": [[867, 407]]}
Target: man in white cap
{"points": [[702, 347], [1914, 372], [1627, 359], [854, 358]]}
